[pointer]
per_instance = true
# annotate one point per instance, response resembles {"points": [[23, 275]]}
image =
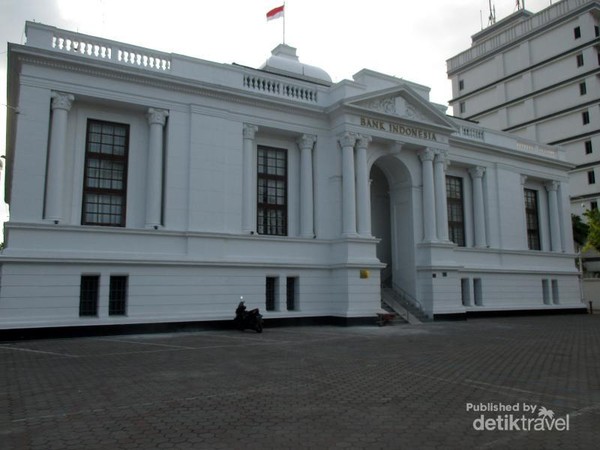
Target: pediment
{"points": [[401, 103]]}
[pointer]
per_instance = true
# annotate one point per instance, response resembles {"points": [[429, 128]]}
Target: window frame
{"points": [[585, 117], [118, 294], [532, 219], [110, 158], [582, 88], [580, 60], [577, 32], [589, 148], [89, 292], [266, 181], [455, 204], [591, 175]]}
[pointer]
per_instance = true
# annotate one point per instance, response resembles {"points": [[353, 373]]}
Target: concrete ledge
{"points": [[511, 313]]}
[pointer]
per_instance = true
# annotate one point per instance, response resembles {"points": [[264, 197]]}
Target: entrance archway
{"points": [[392, 198]]}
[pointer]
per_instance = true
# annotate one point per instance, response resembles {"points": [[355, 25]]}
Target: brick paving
{"points": [[320, 387]]}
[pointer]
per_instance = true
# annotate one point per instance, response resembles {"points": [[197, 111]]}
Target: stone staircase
{"points": [[399, 303]]}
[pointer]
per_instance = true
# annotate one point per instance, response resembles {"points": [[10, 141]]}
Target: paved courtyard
{"points": [[471, 384]]}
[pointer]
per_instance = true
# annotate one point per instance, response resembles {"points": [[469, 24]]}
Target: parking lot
{"points": [[468, 384]]}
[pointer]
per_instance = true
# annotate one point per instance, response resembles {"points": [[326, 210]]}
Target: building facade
{"points": [[537, 76], [150, 187]]}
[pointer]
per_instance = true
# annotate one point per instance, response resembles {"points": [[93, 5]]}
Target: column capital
{"points": [[157, 116], [250, 131], [552, 185], [306, 141], [426, 154], [477, 171], [363, 141], [523, 179], [62, 101], [347, 139]]}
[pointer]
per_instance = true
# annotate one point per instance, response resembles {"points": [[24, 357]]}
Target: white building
{"points": [[150, 187], [537, 76]]}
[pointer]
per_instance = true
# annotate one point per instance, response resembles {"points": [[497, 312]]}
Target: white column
{"points": [[347, 141], [61, 104], [306, 143], [249, 166], [478, 206], [555, 233], [363, 194], [441, 201], [429, 223], [154, 173]]}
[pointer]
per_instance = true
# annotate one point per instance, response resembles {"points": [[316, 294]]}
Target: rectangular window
{"points": [[88, 295], [272, 191], [591, 177], [456, 216], [461, 85], [582, 88], [291, 287], [579, 60], [477, 292], [588, 147], [531, 216], [585, 117], [462, 107], [270, 293], [577, 32], [593, 205], [465, 291], [546, 291], [597, 30], [105, 174], [117, 298], [555, 298]]}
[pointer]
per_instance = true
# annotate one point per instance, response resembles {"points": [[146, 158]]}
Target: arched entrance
{"points": [[392, 221]]}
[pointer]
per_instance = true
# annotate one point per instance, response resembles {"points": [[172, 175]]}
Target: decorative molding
{"points": [[477, 171], [426, 154], [306, 141], [396, 106], [363, 141], [552, 185], [347, 139], [62, 101], [157, 116], [250, 131]]}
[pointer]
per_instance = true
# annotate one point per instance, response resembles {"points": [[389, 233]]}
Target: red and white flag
{"points": [[275, 13]]}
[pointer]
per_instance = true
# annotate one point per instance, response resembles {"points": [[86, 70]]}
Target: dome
{"points": [[284, 61]]}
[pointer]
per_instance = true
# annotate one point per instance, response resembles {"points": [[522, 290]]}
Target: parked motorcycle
{"points": [[248, 319]]}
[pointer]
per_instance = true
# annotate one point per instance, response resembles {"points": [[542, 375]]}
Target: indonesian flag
{"points": [[275, 13]]}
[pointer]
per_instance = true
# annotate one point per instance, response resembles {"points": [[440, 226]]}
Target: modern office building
{"points": [[150, 187], [537, 76]]}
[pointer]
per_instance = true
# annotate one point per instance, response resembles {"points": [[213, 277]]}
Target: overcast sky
{"points": [[404, 38]]}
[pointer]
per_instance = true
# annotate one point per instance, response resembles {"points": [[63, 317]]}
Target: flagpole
{"points": [[284, 14]]}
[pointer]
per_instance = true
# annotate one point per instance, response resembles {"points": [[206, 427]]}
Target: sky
{"points": [[404, 38]]}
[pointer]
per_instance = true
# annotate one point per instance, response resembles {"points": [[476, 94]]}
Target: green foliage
{"points": [[580, 230], [593, 236]]}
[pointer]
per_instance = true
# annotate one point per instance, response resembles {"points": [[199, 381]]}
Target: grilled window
{"points": [[272, 191], [88, 295], [456, 216], [105, 175], [531, 215], [270, 292], [291, 293], [117, 299]]}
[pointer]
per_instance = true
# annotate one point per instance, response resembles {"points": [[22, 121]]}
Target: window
{"points": [[291, 294], [591, 177], [462, 107], [531, 216], [579, 60], [456, 217], [545, 291], [88, 295], [461, 85], [477, 292], [582, 88], [465, 291], [593, 205], [117, 298], [577, 32], [272, 191], [270, 293], [555, 297], [597, 30], [585, 117], [588, 147], [105, 175]]}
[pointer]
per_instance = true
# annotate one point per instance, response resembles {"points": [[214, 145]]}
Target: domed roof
{"points": [[284, 61]]}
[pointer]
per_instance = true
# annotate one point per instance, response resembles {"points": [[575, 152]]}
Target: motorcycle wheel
{"points": [[259, 327]]}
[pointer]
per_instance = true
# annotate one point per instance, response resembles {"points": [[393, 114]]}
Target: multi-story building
{"points": [[152, 187], [538, 76]]}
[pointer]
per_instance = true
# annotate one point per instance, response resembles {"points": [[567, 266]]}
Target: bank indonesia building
{"points": [[147, 187]]}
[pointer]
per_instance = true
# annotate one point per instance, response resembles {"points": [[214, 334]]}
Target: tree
{"points": [[580, 230], [593, 236]]}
